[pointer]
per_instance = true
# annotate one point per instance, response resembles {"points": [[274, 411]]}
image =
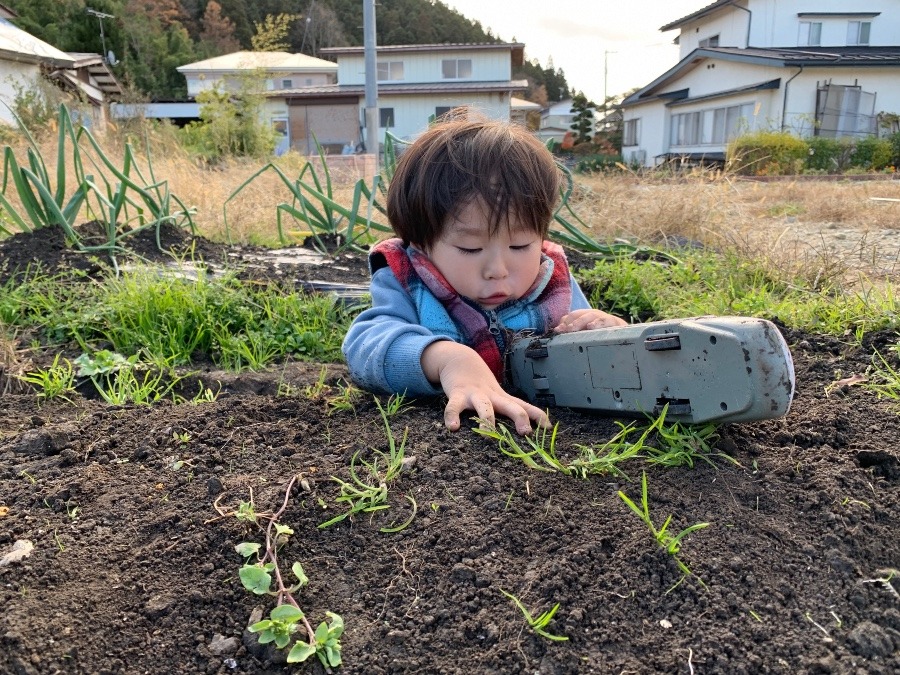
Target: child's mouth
{"points": [[496, 299]]}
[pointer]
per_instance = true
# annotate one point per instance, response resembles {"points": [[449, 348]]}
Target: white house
{"points": [[282, 71], [25, 60], [414, 83], [811, 67], [312, 100]]}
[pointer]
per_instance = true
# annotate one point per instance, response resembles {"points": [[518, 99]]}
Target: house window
{"points": [[456, 69], [844, 110], [390, 70], [858, 32], [810, 34], [687, 128], [710, 41], [729, 122], [442, 110], [631, 132], [287, 84], [385, 117]]}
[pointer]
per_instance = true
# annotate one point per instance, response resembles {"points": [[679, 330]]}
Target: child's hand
{"points": [[470, 385], [587, 319]]}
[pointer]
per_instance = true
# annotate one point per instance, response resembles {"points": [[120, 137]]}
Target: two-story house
{"points": [[312, 100], [810, 67], [414, 82]]}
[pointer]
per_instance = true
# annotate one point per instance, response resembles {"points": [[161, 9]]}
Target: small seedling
{"points": [[319, 387], [542, 443], [345, 400], [265, 577], [538, 623], [369, 493], [55, 382], [669, 543], [183, 437], [72, 510], [396, 404]]}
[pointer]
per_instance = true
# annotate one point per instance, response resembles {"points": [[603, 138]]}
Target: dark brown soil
{"points": [[134, 572]]}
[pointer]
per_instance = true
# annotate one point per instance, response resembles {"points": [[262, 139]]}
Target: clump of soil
{"points": [[133, 571]]}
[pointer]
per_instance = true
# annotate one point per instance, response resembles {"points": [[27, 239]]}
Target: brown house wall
{"points": [[333, 126]]}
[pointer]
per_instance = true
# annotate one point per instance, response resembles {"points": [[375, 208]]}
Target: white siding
{"points": [[411, 112], [12, 74], [654, 129], [777, 24], [418, 67], [197, 82], [729, 25]]}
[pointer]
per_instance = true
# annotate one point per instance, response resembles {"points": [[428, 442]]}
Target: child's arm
{"points": [[384, 344], [470, 385]]}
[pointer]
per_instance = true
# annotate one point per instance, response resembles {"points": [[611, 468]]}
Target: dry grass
{"points": [[822, 228], [12, 365]]}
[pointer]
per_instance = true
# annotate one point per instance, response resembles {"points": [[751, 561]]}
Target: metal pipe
{"points": [[369, 49], [784, 100], [749, 22]]}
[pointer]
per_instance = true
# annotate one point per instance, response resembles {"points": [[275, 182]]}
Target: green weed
{"points": [[367, 489], [538, 451], [670, 543], [57, 381], [264, 576], [538, 623]]}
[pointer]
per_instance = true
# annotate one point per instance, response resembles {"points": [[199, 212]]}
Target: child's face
{"points": [[488, 270]]}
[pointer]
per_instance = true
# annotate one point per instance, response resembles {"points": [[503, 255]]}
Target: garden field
{"points": [[126, 493]]}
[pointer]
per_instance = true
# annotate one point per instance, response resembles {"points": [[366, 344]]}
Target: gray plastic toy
{"points": [[706, 369]]}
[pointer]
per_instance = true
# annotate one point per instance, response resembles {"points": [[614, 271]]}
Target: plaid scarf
{"points": [[548, 299]]}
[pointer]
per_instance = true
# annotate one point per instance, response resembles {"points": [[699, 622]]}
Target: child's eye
{"points": [[467, 251], [521, 247]]}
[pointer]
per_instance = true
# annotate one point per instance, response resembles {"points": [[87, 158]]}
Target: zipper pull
{"points": [[494, 325]]}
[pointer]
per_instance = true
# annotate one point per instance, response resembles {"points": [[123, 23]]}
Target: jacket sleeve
{"points": [[384, 345], [579, 301]]}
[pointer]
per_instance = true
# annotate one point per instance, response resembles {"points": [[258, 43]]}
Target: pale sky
{"points": [[577, 34]]}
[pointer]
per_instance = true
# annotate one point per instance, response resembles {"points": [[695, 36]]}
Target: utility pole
{"points": [[369, 49]]}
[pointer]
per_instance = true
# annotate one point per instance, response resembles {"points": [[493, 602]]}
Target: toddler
{"points": [[471, 203]]}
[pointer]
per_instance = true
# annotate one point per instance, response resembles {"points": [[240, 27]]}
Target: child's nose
{"points": [[496, 267]]}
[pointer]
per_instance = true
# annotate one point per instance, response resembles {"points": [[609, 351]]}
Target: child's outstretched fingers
{"points": [[587, 319], [460, 402]]}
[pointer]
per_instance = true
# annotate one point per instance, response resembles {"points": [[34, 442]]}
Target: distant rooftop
{"points": [[17, 45], [517, 49], [709, 9], [274, 61]]}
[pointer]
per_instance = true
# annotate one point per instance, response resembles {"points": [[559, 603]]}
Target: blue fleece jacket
{"points": [[384, 345]]}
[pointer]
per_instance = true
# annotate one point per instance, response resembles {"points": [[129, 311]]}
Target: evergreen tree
{"points": [[583, 122]]}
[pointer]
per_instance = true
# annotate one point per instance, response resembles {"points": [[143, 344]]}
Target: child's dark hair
{"points": [[458, 160]]}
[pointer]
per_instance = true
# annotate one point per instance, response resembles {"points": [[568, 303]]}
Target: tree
{"points": [[271, 34], [232, 123], [583, 122], [321, 28], [217, 32]]}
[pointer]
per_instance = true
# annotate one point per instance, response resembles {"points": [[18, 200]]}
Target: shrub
{"points": [[767, 153], [894, 140], [829, 155], [872, 153], [593, 163]]}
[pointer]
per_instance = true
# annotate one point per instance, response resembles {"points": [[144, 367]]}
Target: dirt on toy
{"points": [[118, 533]]}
